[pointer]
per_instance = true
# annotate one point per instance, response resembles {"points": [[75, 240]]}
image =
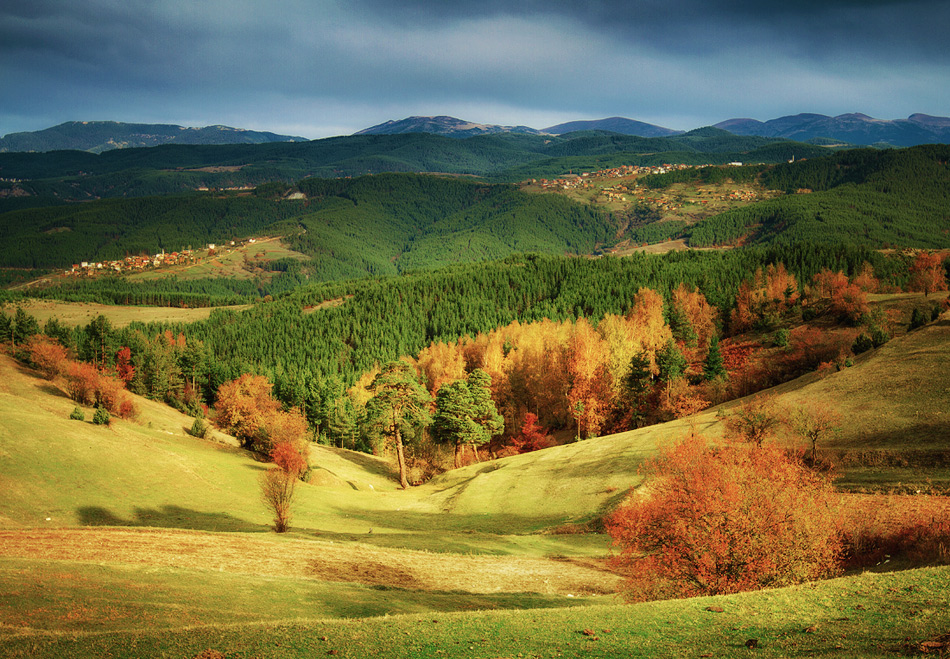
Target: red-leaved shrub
{"points": [[722, 519], [47, 355]]}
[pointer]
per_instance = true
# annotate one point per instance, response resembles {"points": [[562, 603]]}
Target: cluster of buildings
{"points": [[583, 180], [144, 262], [133, 263]]}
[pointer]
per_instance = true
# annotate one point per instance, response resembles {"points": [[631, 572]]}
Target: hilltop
{"points": [[99, 136], [442, 125], [853, 128]]}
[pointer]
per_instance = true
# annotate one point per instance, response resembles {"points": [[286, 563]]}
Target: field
{"points": [[139, 540], [241, 262], [82, 313]]}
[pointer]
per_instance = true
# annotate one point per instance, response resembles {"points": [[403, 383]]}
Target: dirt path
{"points": [[311, 559]]}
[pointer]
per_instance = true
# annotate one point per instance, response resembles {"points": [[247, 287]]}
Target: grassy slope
{"points": [[484, 519], [863, 616]]}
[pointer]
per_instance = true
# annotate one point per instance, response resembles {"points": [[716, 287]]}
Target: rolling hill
{"points": [[877, 198], [613, 125], [42, 179], [854, 128], [99, 136], [348, 227], [137, 538]]}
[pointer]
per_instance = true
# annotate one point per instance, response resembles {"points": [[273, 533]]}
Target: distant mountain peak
{"points": [[99, 136], [441, 125], [615, 125]]}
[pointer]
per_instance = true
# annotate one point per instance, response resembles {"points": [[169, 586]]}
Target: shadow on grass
{"points": [[52, 390], [169, 517], [369, 463]]}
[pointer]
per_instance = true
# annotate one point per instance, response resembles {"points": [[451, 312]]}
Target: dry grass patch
{"points": [[312, 559], [82, 313]]}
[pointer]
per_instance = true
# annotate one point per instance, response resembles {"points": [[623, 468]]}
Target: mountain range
{"points": [[846, 129], [853, 128], [99, 136]]}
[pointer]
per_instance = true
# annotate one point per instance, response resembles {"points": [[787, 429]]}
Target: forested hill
{"points": [[55, 177], [349, 227], [877, 198], [99, 136], [336, 331]]}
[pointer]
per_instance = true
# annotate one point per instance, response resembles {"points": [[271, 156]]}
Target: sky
{"points": [[320, 68]]}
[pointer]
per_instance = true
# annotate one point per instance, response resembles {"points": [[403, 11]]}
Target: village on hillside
{"points": [[618, 185], [163, 259]]}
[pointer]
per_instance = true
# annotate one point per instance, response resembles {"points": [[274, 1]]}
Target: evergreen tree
{"points": [[713, 366], [6, 328], [454, 422], [399, 403], [485, 412], [24, 326], [671, 362]]}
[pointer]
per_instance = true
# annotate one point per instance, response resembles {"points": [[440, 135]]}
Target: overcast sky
{"points": [[318, 68]]}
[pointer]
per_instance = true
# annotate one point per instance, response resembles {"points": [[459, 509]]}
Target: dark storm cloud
{"points": [[875, 27], [329, 66]]}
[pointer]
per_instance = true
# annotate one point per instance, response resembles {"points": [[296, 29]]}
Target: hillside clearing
{"points": [[82, 313]]}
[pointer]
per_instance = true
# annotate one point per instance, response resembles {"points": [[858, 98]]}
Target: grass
{"points": [[139, 540], [244, 262], [860, 616], [82, 313]]}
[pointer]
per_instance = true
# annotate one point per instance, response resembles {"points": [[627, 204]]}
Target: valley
{"points": [[565, 316]]}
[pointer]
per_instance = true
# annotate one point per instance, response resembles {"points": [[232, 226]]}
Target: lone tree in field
{"points": [[277, 492], [755, 420], [815, 423], [399, 402], [724, 519]]}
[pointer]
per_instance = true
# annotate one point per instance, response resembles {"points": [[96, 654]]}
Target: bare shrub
{"points": [[277, 491]]}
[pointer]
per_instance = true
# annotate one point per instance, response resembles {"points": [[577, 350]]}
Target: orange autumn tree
{"points": [[769, 294], [47, 355], [697, 311], [847, 299], [927, 274], [722, 519], [649, 324], [246, 408], [440, 363], [589, 396]]}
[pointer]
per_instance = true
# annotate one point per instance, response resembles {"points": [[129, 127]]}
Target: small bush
{"points": [[102, 417], [918, 318], [862, 344], [77, 414], [781, 338], [199, 428]]}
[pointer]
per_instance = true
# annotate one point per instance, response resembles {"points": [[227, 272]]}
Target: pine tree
{"points": [[454, 422], [713, 366], [485, 412], [399, 402]]}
